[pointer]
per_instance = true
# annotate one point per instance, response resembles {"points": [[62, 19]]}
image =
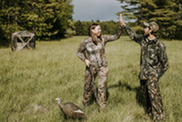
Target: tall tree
{"points": [[165, 12], [131, 9], [78, 27]]}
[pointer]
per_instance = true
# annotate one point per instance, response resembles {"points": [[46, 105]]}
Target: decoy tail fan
{"points": [[59, 100]]}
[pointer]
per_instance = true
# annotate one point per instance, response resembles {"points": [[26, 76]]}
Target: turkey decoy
{"points": [[70, 110]]}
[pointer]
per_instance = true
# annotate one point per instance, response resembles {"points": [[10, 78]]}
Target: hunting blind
{"points": [[21, 40]]}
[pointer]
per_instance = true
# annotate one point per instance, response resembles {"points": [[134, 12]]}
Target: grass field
{"points": [[30, 80]]}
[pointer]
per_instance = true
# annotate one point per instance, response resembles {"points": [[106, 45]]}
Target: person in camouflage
{"points": [[92, 51], [153, 64]]}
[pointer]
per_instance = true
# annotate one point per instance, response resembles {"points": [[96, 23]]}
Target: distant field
{"points": [[30, 80]]}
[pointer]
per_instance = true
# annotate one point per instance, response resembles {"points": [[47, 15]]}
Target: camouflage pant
{"points": [[152, 97], [102, 74]]}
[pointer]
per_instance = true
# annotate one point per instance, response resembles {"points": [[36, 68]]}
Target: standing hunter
{"points": [[92, 52], [153, 64]]}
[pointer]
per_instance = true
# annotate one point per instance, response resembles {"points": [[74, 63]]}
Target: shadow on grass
{"points": [[93, 99], [139, 97], [120, 85]]}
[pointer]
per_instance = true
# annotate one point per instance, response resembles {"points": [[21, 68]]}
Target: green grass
{"points": [[30, 80]]}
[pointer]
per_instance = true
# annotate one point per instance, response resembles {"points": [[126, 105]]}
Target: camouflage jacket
{"points": [[153, 58], [96, 53]]}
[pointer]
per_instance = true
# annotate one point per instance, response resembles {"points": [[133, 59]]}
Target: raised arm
{"points": [[132, 34], [109, 38]]}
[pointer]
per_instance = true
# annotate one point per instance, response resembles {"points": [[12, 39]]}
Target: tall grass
{"points": [[30, 80]]}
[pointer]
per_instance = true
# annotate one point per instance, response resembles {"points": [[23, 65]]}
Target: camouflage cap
{"points": [[152, 25]]}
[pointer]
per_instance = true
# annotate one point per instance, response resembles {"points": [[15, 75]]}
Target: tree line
{"points": [[108, 27], [50, 19]]}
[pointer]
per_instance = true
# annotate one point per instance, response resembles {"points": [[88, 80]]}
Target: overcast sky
{"points": [[103, 10]]}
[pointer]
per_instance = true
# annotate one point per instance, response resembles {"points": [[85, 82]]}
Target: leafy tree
{"points": [[167, 13], [78, 27], [46, 18], [131, 9]]}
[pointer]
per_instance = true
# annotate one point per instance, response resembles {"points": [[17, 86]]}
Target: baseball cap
{"points": [[152, 25]]}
